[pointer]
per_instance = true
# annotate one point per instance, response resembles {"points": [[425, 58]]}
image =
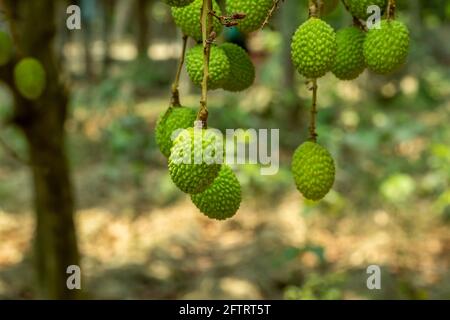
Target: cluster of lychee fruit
{"points": [[318, 49], [213, 187]]}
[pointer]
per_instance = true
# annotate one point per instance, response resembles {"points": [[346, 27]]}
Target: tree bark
{"points": [[42, 122]]}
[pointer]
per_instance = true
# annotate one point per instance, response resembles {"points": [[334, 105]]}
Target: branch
{"points": [[175, 99], [312, 126], [208, 36], [391, 9], [275, 6]]}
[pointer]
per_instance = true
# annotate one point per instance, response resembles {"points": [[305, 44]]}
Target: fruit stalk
{"points": [[312, 125], [276, 3], [207, 33], [313, 8], [175, 99], [391, 9]]}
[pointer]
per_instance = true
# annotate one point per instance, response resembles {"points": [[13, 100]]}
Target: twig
{"points": [[175, 99], [207, 37], [230, 20], [391, 10], [314, 10], [312, 126], [275, 6]]}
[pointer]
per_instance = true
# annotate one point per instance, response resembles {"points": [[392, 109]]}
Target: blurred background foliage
{"points": [[142, 238]]}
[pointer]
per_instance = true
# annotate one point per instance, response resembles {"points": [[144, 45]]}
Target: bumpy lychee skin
{"points": [[349, 62], [242, 71], [221, 200], [188, 167], [188, 19], [386, 49], [314, 48], [178, 3], [313, 170], [358, 8], [169, 123], [6, 48], [219, 66], [256, 12], [30, 78]]}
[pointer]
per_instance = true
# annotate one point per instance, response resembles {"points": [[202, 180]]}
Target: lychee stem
{"points": [[312, 125], [175, 99], [314, 10], [207, 32], [275, 5], [391, 10]]}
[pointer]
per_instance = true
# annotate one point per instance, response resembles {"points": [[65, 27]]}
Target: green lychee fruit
{"points": [[6, 48], [386, 49], [188, 19], [256, 12], [221, 200], [314, 48], [30, 78], [169, 122], [349, 62], [178, 3], [242, 72], [195, 159], [358, 8], [219, 66], [313, 170]]}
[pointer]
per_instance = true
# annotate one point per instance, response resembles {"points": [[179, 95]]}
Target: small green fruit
{"points": [[358, 8], [313, 170], [221, 200], [169, 122], [314, 48], [178, 3], [256, 12], [242, 71], [191, 164], [349, 62], [386, 49], [188, 19], [6, 48], [219, 66], [30, 78]]}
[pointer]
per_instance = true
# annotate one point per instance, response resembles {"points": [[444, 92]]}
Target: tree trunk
{"points": [[42, 122]]}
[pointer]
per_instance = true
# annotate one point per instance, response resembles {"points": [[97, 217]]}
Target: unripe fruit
{"points": [[242, 70], [358, 8], [314, 48], [6, 48], [30, 78], [256, 12], [221, 200], [386, 49], [188, 19], [169, 122], [178, 3], [219, 66], [189, 166], [313, 170], [349, 62]]}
